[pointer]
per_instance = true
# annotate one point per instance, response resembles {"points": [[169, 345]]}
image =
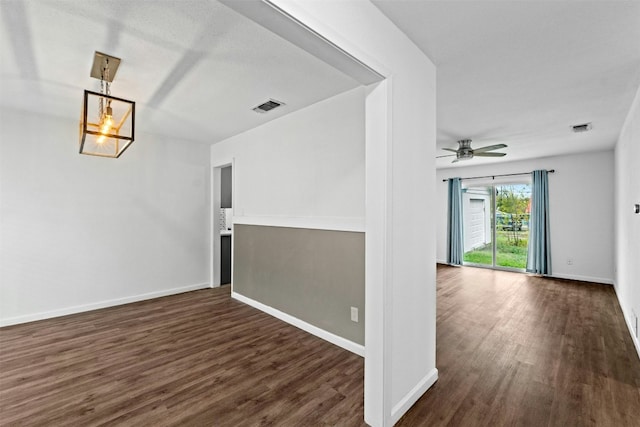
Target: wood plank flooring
{"points": [[195, 359], [512, 350], [519, 350]]}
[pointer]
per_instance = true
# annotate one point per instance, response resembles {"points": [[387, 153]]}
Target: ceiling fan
{"points": [[465, 152]]}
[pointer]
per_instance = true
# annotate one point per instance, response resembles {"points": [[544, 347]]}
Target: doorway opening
{"points": [[222, 224], [496, 225], [225, 224]]}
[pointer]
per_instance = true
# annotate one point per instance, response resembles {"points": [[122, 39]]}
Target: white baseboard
{"points": [[627, 321], [636, 343], [412, 397], [97, 305], [307, 327], [582, 278]]}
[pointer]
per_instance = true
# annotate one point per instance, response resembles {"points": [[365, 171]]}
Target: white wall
{"points": [[627, 230], [400, 143], [304, 169], [81, 232], [581, 211]]}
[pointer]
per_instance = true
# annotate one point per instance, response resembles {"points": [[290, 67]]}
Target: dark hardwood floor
{"points": [[195, 359], [512, 350], [519, 350]]}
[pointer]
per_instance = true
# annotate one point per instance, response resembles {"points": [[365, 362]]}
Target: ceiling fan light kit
{"points": [[465, 152], [107, 123]]}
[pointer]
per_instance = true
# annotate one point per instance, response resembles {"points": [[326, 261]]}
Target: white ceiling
{"points": [[518, 72], [195, 68], [523, 72]]}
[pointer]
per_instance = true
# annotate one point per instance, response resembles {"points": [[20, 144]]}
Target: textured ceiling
{"points": [[519, 73], [195, 68], [523, 72]]}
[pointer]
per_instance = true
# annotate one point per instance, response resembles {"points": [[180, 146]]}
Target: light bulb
{"points": [[107, 122]]}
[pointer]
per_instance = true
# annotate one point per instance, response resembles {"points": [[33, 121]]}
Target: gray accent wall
{"points": [[313, 275]]}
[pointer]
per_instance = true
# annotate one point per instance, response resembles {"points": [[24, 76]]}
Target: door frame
{"points": [[494, 226], [216, 203]]}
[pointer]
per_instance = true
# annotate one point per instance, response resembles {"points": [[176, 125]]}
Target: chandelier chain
{"points": [[105, 88]]}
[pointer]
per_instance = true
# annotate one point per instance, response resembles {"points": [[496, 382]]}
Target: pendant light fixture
{"points": [[107, 123]]}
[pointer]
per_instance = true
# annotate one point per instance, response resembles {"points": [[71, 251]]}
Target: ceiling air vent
{"points": [[581, 128], [268, 106]]}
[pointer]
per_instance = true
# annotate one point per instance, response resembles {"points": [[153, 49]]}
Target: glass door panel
{"points": [[477, 208], [496, 225], [513, 206]]}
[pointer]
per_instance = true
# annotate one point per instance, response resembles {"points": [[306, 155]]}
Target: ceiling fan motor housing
{"points": [[465, 151]]}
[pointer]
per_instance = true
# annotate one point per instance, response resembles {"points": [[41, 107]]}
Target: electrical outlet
{"points": [[569, 261], [354, 314]]}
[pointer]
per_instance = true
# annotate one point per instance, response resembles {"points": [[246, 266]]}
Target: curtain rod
{"points": [[494, 176]]}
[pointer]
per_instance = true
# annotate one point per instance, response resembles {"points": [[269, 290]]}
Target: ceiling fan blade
{"points": [[450, 149], [455, 161], [476, 154], [489, 148], [446, 155]]}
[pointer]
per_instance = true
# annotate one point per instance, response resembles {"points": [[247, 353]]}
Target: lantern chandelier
{"points": [[107, 123]]}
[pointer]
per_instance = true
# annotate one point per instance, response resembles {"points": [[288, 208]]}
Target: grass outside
{"points": [[507, 254]]}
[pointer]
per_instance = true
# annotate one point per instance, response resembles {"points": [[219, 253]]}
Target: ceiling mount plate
{"points": [[100, 61]]}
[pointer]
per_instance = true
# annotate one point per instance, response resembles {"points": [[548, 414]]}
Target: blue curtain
{"points": [[539, 254], [455, 250]]}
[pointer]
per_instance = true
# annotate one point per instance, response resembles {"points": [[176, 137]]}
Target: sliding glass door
{"points": [[496, 225]]}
